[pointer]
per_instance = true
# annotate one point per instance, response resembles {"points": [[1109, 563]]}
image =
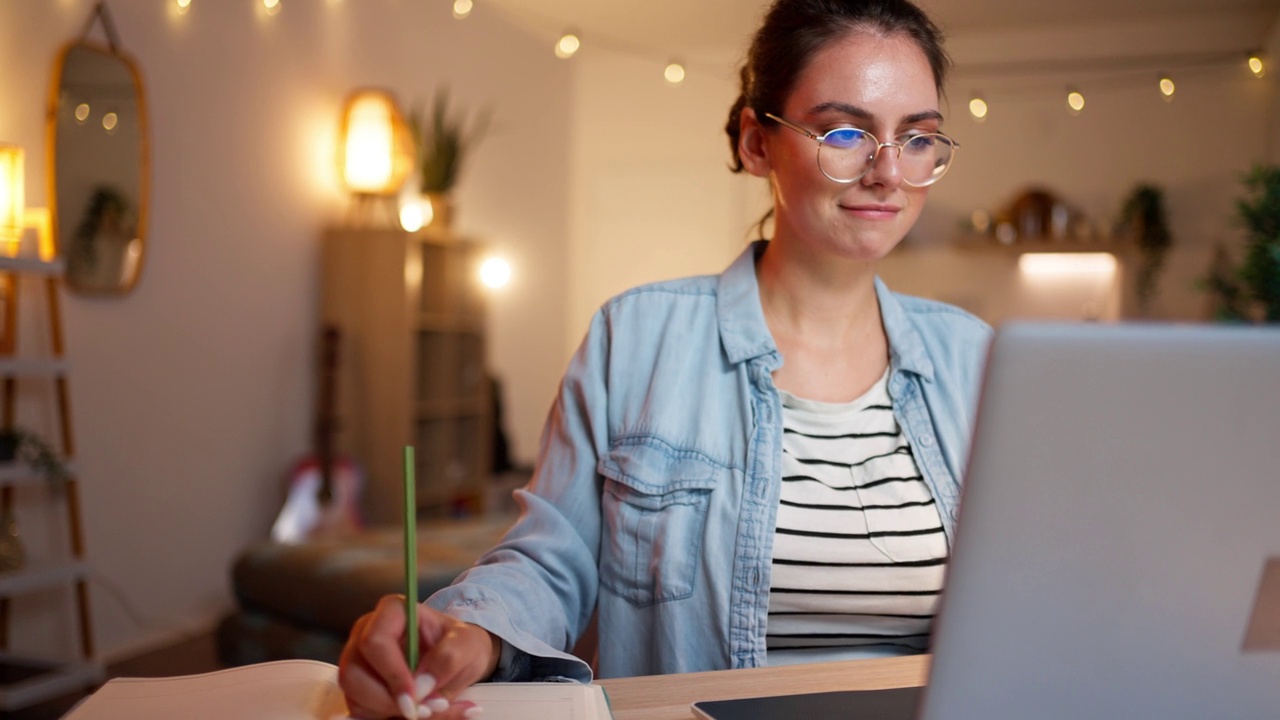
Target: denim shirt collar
{"points": [[745, 335]]}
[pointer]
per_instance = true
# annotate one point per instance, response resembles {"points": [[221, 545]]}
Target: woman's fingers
{"points": [[456, 656], [373, 672], [375, 677]]}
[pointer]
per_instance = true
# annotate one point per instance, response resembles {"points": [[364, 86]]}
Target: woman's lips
{"points": [[872, 211]]}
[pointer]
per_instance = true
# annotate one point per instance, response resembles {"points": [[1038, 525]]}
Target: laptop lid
{"points": [[1118, 545]]}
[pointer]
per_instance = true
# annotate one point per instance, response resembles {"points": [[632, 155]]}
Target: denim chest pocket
{"points": [[655, 509]]}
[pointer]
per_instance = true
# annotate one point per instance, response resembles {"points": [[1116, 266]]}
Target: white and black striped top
{"points": [[859, 551]]}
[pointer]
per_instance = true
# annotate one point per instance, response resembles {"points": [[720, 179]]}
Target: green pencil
{"points": [[410, 561]]}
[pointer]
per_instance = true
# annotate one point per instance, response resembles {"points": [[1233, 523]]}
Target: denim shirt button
{"points": [[926, 439]]}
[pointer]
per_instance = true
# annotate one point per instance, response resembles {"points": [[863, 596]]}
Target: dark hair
{"points": [[794, 31]]}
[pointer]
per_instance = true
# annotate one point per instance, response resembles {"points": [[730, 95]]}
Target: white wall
{"points": [[193, 395], [652, 194]]}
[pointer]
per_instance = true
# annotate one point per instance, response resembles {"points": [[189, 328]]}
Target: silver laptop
{"points": [[1118, 549]]}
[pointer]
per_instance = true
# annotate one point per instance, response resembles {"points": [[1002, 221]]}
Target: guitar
{"points": [[324, 490]]}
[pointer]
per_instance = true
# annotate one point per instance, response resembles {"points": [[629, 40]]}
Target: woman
{"points": [[714, 506]]}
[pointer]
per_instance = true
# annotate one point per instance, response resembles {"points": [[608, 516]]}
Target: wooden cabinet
{"points": [[410, 309]]}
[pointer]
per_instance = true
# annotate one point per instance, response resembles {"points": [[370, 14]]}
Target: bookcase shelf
{"points": [[26, 681], [39, 577]]}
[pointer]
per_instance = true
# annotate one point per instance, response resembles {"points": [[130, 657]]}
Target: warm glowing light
{"points": [[82, 112], [1167, 87], [1256, 67], [1048, 265], [674, 73], [495, 273], [12, 200], [980, 220], [109, 121], [183, 6], [272, 6], [415, 214], [567, 46], [978, 108], [1075, 101], [40, 219], [462, 8], [376, 147]]}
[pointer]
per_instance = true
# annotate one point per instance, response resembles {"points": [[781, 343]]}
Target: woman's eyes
{"points": [[850, 137], [844, 137]]}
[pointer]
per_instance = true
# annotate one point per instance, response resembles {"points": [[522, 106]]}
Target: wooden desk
{"points": [[667, 697]]}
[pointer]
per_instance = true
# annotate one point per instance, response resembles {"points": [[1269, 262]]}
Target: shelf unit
{"points": [[411, 313], [25, 681]]}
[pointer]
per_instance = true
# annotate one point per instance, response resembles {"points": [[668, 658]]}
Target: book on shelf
{"points": [[308, 690]]}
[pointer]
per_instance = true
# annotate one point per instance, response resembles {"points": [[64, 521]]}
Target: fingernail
{"points": [[473, 711], [423, 685], [438, 704], [407, 708], [423, 712]]}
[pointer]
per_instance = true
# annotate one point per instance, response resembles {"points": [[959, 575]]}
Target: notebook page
{"points": [[539, 701], [286, 690]]}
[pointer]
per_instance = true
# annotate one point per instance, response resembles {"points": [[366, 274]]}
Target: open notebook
{"points": [[308, 690]]}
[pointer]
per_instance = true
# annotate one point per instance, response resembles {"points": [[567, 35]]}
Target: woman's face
{"points": [[879, 84]]}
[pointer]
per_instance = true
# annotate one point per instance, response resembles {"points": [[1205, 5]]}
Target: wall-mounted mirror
{"points": [[98, 167]]}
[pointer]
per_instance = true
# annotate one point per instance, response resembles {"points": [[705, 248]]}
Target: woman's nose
{"points": [[885, 169]]}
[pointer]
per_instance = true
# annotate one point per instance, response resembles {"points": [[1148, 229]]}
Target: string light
{"points": [[1075, 101], [674, 73], [978, 108], [183, 6], [272, 6], [109, 122], [462, 8], [567, 46], [1166, 87], [82, 112], [1255, 65]]}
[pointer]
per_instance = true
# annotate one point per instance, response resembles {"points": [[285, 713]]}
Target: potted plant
{"points": [[1143, 216], [442, 142], [30, 449], [1251, 291]]}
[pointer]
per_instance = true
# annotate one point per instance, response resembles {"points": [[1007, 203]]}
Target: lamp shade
{"points": [[376, 152], [12, 202]]}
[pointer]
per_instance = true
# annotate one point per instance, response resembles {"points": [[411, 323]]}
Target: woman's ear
{"points": [[753, 146]]}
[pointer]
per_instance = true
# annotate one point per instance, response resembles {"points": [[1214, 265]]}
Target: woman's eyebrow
{"points": [[863, 114]]}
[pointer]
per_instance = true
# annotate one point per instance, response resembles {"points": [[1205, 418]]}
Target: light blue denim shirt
{"points": [[657, 482]]}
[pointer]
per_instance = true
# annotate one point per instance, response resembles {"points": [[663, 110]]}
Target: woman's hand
{"points": [[376, 679]]}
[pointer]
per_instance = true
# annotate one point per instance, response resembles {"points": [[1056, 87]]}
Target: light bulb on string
{"points": [[1167, 87], [674, 73], [978, 108], [82, 112], [567, 45], [183, 6], [1255, 65], [272, 6], [462, 8], [1075, 101], [109, 122]]}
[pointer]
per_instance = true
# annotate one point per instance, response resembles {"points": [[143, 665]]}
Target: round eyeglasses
{"points": [[846, 154]]}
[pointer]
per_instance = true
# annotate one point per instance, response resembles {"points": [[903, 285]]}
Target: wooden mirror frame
{"points": [[144, 161]]}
